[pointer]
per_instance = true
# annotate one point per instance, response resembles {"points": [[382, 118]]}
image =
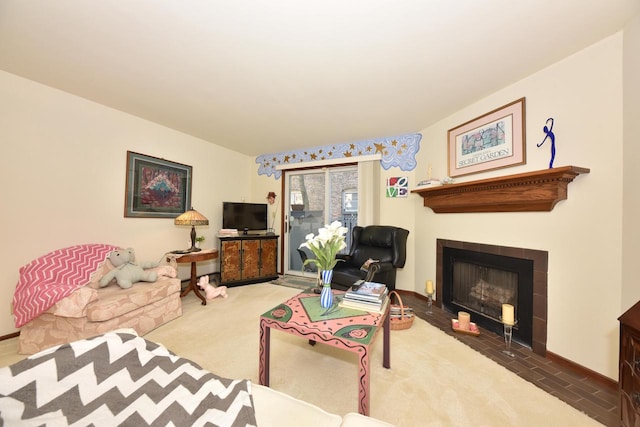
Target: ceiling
{"points": [[262, 77]]}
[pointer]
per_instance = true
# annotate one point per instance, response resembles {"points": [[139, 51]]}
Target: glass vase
{"points": [[326, 294]]}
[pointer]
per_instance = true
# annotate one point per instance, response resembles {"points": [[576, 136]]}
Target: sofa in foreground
{"points": [[119, 378]]}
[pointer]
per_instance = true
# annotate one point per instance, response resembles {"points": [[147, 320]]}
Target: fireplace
{"points": [[479, 278]]}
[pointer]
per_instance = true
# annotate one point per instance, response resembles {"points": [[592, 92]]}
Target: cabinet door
{"points": [[269, 257], [250, 259], [630, 377], [230, 260]]}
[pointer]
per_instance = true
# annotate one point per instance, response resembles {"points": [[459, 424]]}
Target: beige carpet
{"points": [[434, 379]]}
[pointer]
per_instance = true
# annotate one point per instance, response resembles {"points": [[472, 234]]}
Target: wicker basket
{"points": [[405, 320]]}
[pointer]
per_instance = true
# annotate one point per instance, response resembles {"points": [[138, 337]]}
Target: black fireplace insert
{"points": [[479, 283]]}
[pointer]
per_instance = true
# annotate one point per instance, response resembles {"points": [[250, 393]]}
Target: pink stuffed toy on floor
{"points": [[211, 291]]}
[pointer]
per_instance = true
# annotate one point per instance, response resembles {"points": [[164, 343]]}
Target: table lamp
{"points": [[192, 218]]}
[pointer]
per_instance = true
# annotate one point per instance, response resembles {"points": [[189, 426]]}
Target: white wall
{"points": [[63, 174], [583, 234], [401, 212], [631, 209]]}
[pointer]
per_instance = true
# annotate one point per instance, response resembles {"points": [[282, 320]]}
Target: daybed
{"points": [[119, 378], [58, 299]]}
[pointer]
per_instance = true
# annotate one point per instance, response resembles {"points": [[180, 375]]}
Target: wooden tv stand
{"points": [[248, 259]]}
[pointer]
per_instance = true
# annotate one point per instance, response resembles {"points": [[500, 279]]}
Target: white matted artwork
{"points": [[492, 141]]}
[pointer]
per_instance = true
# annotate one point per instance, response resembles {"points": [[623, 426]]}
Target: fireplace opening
{"points": [[479, 283], [538, 311]]}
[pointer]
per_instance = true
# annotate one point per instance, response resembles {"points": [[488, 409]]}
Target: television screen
{"points": [[244, 216]]}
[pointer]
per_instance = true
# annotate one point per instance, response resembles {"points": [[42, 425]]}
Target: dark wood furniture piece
{"points": [[194, 258], [629, 368], [248, 259], [344, 328]]}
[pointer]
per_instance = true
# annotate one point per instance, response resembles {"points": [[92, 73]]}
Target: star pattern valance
{"points": [[399, 151]]}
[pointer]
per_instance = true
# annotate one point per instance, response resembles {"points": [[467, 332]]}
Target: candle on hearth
{"points": [[507, 314], [464, 320], [429, 287]]}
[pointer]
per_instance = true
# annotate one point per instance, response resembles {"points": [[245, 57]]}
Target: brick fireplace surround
{"points": [[540, 270]]}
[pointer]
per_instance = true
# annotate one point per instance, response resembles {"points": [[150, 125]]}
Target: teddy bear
{"points": [[126, 271], [211, 291]]}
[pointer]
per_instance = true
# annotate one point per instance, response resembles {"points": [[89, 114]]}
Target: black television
{"points": [[244, 217]]}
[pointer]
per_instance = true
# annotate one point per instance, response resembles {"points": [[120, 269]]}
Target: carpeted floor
{"points": [[434, 379]]}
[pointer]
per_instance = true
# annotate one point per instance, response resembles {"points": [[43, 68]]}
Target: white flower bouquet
{"points": [[326, 245]]}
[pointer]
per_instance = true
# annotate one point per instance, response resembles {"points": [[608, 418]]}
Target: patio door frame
{"points": [[287, 218]]}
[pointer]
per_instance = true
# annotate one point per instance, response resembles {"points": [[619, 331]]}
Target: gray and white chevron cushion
{"points": [[119, 378]]}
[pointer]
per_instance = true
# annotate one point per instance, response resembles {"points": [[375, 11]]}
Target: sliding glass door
{"points": [[313, 198]]}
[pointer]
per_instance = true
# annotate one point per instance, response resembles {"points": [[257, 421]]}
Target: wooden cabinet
{"points": [[629, 372], [248, 259]]}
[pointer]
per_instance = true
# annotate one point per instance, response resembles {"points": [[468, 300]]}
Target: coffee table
{"points": [[348, 329]]}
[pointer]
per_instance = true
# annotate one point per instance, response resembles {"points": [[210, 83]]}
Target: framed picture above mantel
{"points": [[492, 141], [156, 188]]}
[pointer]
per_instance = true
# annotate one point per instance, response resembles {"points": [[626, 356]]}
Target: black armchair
{"points": [[386, 244]]}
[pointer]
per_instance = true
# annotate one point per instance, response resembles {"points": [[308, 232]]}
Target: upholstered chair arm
{"points": [[374, 267], [383, 267], [344, 257]]}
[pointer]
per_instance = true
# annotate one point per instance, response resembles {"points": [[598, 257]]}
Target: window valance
{"points": [[398, 151]]}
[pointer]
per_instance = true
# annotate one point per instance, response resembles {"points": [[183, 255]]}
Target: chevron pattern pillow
{"points": [[119, 378]]}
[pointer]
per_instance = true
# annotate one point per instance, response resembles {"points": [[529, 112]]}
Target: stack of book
{"points": [[369, 296], [395, 312], [227, 232]]}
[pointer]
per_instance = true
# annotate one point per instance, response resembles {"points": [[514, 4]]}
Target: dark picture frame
{"points": [[494, 140], [156, 188]]}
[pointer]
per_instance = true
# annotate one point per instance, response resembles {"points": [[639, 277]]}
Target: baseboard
{"points": [[13, 335], [581, 370], [578, 369]]}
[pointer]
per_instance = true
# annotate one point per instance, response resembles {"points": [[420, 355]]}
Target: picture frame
{"points": [[397, 186], [155, 187], [492, 141]]}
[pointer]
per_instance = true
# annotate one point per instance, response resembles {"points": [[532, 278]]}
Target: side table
{"points": [[194, 258]]}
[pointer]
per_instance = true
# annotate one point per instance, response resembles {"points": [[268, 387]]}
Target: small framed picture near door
{"points": [[156, 188], [492, 141]]}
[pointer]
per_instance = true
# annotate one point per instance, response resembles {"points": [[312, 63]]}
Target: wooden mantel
{"points": [[525, 192]]}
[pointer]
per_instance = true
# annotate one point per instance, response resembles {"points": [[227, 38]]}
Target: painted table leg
{"points": [[263, 367], [364, 383]]}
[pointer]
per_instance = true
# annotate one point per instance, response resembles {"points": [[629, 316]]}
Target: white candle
{"points": [[429, 287], [507, 314]]}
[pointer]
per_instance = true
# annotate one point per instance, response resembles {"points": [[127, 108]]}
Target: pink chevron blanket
{"points": [[48, 279]]}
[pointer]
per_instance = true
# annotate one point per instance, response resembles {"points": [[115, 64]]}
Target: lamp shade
{"points": [[191, 217]]}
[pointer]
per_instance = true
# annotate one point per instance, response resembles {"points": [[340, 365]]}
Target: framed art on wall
{"points": [[156, 188], [492, 141], [397, 186]]}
